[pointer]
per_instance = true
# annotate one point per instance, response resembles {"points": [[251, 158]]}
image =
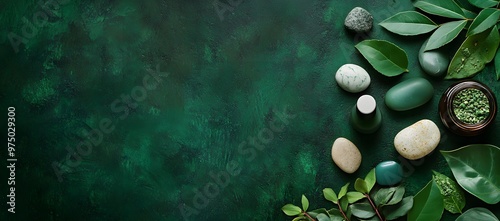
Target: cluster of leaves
{"points": [[482, 37], [475, 169], [365, 203]]}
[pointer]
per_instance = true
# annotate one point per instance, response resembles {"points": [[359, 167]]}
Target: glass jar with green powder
{"points": [[467, 108]]}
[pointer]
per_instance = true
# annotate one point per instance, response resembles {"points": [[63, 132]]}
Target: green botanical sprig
{"points": [[367, 203]]}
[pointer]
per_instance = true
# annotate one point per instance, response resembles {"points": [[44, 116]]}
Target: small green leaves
{"points": [[387, 58], [305, 203], [427, 205], [445, 8], [353, 197], [453, 196], [323, 217], [409, 23], [477, 214], [393, 212], [360, 186], [445, 34], [330, 195], [478, 177], [362, 210], [383, 195], [291, 210], [476, 51], [484, 3], [486, 19]]}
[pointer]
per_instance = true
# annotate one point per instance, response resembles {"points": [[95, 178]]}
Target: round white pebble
{"points": [[352, 78], [346, 155], [417, 140]]}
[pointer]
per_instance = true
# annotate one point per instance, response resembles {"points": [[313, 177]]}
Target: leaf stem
{"points": [[342, 211], [374, 207], [308, 216]]}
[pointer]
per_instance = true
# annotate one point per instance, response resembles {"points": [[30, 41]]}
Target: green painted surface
{"points": [[212, 87]]}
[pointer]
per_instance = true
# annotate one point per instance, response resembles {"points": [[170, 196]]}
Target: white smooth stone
{"points": [[352, 78], [417, 140], [346, 155]]}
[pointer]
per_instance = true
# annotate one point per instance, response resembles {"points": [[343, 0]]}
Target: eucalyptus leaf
{"points": [[291, 210], [330, 195], [476, 169], [387, 58], [453, 196], [362, 210], [383, 196], [477, 214], [427, 204], [323, 217], [409, 23], [444, 8], [393, 212], [497, 64], [476, 51], [370, 180], [397, 196], [484, 3], [484, 20], [353, 197], [343, 191], [445, 34], [360, 186]]}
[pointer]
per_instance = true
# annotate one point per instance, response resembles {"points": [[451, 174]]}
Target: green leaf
{"points": [[360, 186], [291, 210], [483, 3], [330, 195], [305, 203], [370, 180], [362, 210], [469, 14], [477, 214], [486, 19], [343, 191], [323, 217], [476, 169], [409, 23], [387, 58], [445, 34], [453, 196], [335, 214], [473, 54], [393, 212], [344, 203], [383, 195], [497, 64], [300, 218], [444, 8], [427, 204], [316, 212], [397, 196], [353, 197]]}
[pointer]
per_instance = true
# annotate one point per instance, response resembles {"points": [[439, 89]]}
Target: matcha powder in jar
{"points": [[471, 106]]}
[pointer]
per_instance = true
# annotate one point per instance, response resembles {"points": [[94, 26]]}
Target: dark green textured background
{"points": [[226, 78]]}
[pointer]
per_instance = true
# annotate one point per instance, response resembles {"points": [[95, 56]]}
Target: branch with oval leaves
{"points": [[478, 22], [367, 202]]}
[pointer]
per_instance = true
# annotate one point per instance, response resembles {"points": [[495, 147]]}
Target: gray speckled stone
{"points": [[359, 20]]}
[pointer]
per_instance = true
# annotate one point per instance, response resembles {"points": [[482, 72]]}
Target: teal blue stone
{"points": [[388, 173]]}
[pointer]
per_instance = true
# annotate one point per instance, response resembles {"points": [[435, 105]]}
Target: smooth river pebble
{"points": [[417, 140], [359, 20], [409, 94], [346, 155], [388, 173], [434, 63], [352, 78]]}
